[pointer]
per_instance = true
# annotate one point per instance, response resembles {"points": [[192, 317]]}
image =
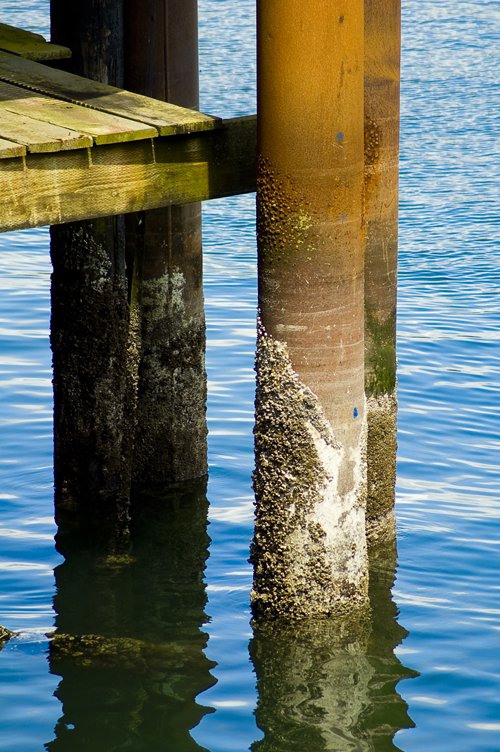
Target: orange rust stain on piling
{"points": [[310, 186], [311, 275]]}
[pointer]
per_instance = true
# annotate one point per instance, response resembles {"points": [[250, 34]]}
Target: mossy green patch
{"points": [[380, 354], [381, 454]]}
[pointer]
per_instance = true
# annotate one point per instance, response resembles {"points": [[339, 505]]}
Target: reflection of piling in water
{"points": [[312, 686], [387, 712], [382, 74], [128, 642], [325, 688], [309, 550]]}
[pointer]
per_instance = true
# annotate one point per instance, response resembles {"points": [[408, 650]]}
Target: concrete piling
{"points": [[132, 412]]}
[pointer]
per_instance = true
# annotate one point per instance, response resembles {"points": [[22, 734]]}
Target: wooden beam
{"points": [[112, 179]]}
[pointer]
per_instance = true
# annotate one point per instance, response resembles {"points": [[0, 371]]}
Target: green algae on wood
{"points": [[167, 118], [43, 111], [30, 45]]}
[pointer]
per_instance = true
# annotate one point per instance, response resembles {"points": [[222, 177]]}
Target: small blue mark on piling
{"points": [[340, 137], [355, 412]]}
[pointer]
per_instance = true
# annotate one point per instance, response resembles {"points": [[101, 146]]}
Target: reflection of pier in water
{"points": [[128, 642], [324, 690]]}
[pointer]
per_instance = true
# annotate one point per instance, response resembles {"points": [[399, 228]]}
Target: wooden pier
{"points": [[72, 148], [324, 165]]}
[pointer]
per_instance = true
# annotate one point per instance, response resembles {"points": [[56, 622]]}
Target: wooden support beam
{"points": [[90, 333], [41, 189]]}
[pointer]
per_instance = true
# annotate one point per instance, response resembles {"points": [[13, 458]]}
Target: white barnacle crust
{"points": [[309, 549]]}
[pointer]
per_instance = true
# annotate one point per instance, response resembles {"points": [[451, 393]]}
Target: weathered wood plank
{"points": [[103, 127], [38, 136], [167, 118], [30, 45], [119, 178], [10, 149]]}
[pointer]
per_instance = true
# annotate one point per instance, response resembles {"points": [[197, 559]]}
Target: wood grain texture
{"points": [[10, 149], [102, 126], [30, 45], [167, 118], [39, 136], [53, 188]]}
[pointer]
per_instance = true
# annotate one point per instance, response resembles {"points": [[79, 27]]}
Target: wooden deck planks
{"points": [[167, 118], [30, 45], [103, 127], [72, 148], [10, 149], [38, 136]]}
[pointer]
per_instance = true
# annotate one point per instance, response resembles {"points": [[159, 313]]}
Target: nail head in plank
{"points": [[103, 127], [167, 118]]}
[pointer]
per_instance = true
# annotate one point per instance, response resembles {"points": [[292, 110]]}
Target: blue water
{"points": [[448, 506]]}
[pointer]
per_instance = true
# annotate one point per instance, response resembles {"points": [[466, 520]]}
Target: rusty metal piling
{"points": [[382, 76], [309, 550]]}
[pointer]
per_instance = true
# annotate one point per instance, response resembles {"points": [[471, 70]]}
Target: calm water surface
{"points": [[188, 672]]}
